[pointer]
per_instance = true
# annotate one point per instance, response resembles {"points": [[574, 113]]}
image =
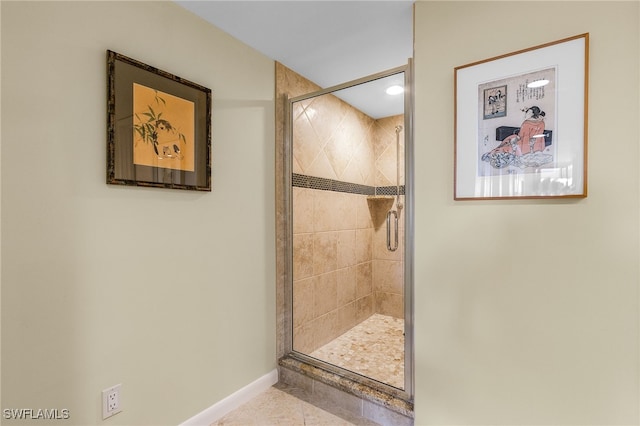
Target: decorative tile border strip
{"points": [[389, 190], [312, 182], [324, 184]]}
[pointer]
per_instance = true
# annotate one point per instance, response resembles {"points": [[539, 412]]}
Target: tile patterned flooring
{"points": [[373, 348], [275, 407]]}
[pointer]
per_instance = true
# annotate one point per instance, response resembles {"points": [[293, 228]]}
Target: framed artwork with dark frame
{"points": [[521, 123], [158, 127]]}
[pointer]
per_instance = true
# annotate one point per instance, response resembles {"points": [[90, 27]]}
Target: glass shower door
{"points": [[347, 203]]}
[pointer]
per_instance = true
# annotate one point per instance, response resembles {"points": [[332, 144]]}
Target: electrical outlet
{"points": [[111, 401]]}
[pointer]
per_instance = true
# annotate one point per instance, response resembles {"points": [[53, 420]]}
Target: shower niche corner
{"points": [[348, 285]]}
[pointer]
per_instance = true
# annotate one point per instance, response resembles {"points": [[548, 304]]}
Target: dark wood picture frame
{"points": [[158, 127]]}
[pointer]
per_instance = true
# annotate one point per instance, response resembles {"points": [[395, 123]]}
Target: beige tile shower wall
{"points": [[333, 140], [288, 84], [384, 141], [388, 266], [333, 231], [342, 272], [388, 273], [332, 265]]}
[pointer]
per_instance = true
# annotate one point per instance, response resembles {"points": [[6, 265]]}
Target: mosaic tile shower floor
{"points": [[373, 348]]}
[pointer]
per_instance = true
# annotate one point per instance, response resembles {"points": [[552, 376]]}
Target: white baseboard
{"points": [[233, 401]]}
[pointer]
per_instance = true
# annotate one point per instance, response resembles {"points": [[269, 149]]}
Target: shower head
{"points": [[398, 129]]}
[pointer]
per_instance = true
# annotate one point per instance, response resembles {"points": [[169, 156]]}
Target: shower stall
{"points": [[348, 282]]}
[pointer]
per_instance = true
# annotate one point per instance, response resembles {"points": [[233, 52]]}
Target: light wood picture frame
{"points": [[520, 127]]}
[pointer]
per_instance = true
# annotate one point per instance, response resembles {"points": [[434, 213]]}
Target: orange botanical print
{"points": [[163, 130]]}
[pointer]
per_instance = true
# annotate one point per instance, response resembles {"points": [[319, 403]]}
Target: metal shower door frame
{"points": [[409, 388]]}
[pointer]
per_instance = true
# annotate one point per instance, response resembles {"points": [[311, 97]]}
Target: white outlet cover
{"points": [[111, 401]]}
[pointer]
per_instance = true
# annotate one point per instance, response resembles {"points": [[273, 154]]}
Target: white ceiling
{"points": [[328, 42]]}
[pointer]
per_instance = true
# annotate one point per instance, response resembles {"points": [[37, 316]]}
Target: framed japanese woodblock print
{"points": [[158, 127], [521, 123]]}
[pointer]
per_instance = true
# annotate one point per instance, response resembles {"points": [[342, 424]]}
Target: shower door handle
{"points": [[393, 247]]}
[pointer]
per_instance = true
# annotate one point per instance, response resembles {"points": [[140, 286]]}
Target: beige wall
{"points": [[97, 289], [552, 339], [493, 346]]}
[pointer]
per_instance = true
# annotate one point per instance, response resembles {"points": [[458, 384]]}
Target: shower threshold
{"points": [[337, 390], [348, 378]]}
